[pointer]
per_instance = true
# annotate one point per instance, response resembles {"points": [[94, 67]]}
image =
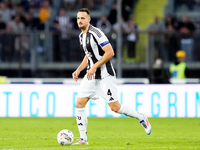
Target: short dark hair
{"points": [[85, 10]]}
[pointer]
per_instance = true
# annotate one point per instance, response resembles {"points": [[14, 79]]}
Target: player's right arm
{"points": [[82, 66]]}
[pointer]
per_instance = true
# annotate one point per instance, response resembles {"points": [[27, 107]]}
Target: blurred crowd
{"points": [[33, 14], [167, 35], [173, 34], [192, 5], [19, 18]]}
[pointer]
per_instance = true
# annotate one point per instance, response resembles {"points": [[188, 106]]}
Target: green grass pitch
{"points": [[103, 134]]}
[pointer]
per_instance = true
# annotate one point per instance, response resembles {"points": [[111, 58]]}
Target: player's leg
{"points": [[109, 91], [81, 119], [130, 112], [123, 109], [86, 91]]}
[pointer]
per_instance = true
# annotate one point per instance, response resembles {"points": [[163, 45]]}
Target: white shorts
{"points": [[106, 88]]}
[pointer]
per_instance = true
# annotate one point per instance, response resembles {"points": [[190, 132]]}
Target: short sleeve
{"points": [[102, 39]]}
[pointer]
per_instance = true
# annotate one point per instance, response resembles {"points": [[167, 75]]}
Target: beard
{"points": [[82, 27]]}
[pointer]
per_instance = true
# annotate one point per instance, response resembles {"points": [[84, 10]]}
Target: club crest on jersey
{"points": [[87, 41]]}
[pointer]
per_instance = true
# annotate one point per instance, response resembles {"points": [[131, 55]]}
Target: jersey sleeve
{"points": [[102, 40]]}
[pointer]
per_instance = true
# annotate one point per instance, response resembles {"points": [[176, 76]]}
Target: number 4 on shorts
{"points": [[109, 92]]}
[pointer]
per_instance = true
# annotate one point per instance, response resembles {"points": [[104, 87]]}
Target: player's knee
{"points": [[80, 103], [114, 108]]}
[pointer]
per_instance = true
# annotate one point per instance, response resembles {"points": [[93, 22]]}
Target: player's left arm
{"points": [[109, 53]]}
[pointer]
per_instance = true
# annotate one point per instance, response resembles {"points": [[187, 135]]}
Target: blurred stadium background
{"points": [[39, 38], [39, 50]]}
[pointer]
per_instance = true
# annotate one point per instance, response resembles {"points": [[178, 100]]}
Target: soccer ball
{"points": [[65, 137]]}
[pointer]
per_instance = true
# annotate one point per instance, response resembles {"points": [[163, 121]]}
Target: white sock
{"points": [[81, 119], [129, 112]]}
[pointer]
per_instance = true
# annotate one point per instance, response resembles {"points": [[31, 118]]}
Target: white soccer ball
{"points": [[65, 137]]}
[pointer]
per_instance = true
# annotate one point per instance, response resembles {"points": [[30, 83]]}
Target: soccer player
{"points": [[100, 79]]}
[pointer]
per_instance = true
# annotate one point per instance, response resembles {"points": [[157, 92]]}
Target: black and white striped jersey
{"points": [[92, 43]]}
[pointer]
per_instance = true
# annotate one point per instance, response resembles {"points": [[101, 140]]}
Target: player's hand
{"points": [[90, 73], [75, 75]]}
